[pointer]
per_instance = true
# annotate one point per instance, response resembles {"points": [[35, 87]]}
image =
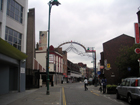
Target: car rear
{"points": [[136, 93]]}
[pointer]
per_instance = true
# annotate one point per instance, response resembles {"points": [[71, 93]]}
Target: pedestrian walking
{"points": [[104, 82], [100, 83], [85, 83]]}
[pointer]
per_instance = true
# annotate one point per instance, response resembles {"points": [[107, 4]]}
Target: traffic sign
{"points": [[129, 69], [108, 65], [137, 50], [90, 49]]}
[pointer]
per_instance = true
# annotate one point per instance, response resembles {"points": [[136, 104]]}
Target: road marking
{"points": [[95, 93], [60, 95], [64, 99]]}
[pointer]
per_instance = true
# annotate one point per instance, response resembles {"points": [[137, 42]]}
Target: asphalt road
{"points": [[63, 94], [74, 94]]}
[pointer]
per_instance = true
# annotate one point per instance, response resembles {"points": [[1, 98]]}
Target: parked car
{"points": [[90, 81], [129, 88]]}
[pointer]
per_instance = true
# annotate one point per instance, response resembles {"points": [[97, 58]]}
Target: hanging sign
{"points": [[137, 37]]}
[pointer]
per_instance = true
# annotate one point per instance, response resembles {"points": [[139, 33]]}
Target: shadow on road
{"points": [[135, 102]]}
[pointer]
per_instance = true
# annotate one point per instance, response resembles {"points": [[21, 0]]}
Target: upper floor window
{"points": [[13, 37], [1, 3], [15, 10]]}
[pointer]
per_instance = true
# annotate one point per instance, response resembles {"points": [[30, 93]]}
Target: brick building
{"points": [[109, 55], [65, 72], [74, 73], [56, 65], [83, 69]]}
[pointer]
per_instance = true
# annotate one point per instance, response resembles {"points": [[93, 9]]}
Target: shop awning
{"points": [[9, 50]]}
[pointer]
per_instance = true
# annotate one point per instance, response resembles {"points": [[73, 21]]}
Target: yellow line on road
{"points": [[64, 99], [95, 93]]}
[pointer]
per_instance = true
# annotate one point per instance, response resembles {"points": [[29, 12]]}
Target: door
{"points": [[122, 87], [13, 79]]}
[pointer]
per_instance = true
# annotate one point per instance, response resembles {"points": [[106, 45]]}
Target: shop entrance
{"points": [[13, 79]]}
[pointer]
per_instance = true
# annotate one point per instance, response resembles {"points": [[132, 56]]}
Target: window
{"points": [[123, 83], [1, 3], [13, 37], [127, 83], [14, 10], [133, 82], [138, 82]]}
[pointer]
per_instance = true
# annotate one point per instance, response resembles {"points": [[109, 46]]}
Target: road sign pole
{"points": [[139, 68], [95, 68]]}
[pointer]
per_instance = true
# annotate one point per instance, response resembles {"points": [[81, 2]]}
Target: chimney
{"points": [[138, 13]]}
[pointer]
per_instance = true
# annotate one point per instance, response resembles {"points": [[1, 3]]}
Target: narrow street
{"points": [[62, 94]]}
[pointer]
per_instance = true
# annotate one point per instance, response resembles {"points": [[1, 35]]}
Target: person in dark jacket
{"points": [[104, 82]]}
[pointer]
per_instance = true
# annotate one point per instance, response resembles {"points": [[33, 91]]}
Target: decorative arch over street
{"points": [[70, 42]]}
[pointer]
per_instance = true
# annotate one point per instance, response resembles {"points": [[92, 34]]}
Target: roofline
{"points": [[117, 37]]}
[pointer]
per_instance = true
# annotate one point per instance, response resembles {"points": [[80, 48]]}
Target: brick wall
{"points": [[110, 53]]}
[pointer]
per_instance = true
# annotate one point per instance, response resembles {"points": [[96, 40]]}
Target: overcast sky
{"points": [[88, 22]]}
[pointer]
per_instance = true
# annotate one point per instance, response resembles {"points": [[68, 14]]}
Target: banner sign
{"points": [[43, 40], [137, 37]]}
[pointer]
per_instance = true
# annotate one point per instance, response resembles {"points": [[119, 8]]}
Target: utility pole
{"points": [[138, 13]]}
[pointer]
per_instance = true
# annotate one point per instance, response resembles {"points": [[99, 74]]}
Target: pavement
{"points": [[33, 97], [38, 96]]}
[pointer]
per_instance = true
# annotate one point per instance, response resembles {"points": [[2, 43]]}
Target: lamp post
{"points": [[51, 3], [95, 69], [94, 64]]}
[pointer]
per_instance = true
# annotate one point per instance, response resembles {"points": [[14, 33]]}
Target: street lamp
{"points": [[94, 64], [51, 3]]}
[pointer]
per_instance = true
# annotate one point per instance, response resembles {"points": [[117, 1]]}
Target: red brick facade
{"points": [[110, 53]]}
